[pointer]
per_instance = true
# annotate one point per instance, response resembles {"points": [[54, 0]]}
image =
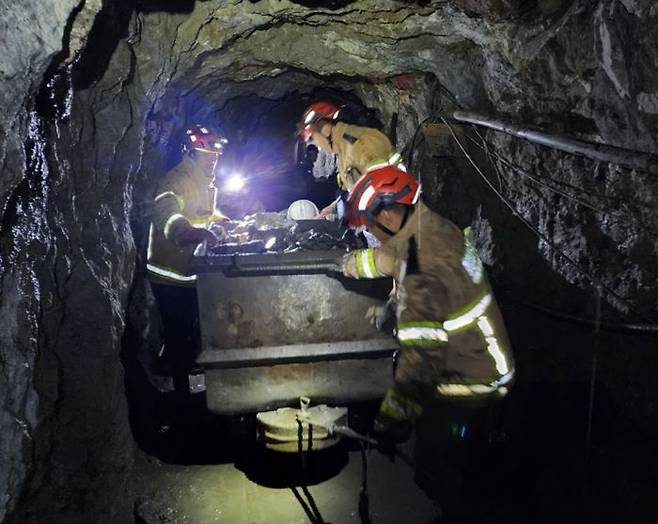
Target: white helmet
{"points": [[302, 210]]}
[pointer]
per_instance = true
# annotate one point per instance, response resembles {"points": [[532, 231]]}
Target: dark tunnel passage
{"points": [[556, 180]]}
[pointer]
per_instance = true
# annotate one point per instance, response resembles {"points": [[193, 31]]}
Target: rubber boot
{"points": [[391, 431]]}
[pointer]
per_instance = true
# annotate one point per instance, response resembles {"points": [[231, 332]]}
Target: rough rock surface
{"points": [[94, 94]]}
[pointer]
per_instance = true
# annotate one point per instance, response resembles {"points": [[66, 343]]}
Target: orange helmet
{"points": [[378, 189], [202, 138], [314, 113]]}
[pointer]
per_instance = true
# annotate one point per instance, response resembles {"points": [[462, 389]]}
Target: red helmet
{"points": [[315, 112], [202, 138], [378, 189]]}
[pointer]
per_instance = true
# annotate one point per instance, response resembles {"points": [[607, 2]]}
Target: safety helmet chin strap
{"points": [[407, 214]]}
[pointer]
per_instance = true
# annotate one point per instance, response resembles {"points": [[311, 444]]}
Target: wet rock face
{"points": [[95, 93], [66, 265]]}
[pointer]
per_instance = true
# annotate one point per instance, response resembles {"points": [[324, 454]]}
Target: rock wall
{"points": [[93, 92], [24, 61], [67, 262]]}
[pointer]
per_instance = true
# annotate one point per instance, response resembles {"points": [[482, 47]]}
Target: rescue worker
{"points": [[358, 149], [183, 211], [453, 341]]}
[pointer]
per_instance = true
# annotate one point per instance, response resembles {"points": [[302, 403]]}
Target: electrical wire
{"points": [[364, 499], [485, 147], [311, 516], [311, 509], [366, 441], [412, 146], [632, 329], [514, 166], [517, 169], [538, 181], [539, 234], [625, 328], [592, 382], [640, 329]]}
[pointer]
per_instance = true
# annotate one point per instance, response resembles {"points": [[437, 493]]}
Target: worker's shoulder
{"points": [[434, 229], [433, 219], [173, 180], [358, 132]]}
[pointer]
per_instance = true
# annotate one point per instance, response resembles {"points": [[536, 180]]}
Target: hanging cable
{"points": [[550, 243], [364, 499], [311, 516], [485, 147], [514, 166], [641, 329], [538, 181], [620, 216], [592, 382], [412, 146], [383, 447], [311, 509], [631, 329]]}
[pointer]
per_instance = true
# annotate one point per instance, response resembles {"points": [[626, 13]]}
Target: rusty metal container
{"points": [[276, 327]]}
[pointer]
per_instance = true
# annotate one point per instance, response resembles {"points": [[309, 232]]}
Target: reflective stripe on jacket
{"points": [[184, 198]]}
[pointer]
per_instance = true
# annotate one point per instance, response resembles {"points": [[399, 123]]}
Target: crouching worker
{"points": [[453, 341]]}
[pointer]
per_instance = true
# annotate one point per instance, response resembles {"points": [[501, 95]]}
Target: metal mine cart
{"points": [[279, 327]]}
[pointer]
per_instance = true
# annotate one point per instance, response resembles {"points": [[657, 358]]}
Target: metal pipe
{"points": [[628, 158]]}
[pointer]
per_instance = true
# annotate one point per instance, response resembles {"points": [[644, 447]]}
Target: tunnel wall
{"points": [[89, 105], [68, 157]]}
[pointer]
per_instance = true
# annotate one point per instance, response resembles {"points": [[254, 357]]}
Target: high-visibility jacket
{"points": [[359, 150], [184, 198], [452, 336]]}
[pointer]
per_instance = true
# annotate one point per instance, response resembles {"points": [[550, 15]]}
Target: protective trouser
{"points": [[404, 401], [179, 312]]}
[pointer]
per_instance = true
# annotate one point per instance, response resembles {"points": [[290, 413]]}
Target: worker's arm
{"points": [[329, 212], [369, 263], [168, 217], [348, 178]]}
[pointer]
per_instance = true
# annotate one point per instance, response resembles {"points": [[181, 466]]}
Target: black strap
{"points": [[413, 266], [350, 138], [383, 227], [407, 213]]}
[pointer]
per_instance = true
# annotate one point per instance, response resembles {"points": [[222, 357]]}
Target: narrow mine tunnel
{"points": [[531, 122]]}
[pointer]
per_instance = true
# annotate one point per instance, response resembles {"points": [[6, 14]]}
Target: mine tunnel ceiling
{"points": [[221, 53]]}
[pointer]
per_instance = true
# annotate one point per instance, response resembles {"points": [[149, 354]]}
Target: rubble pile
{"points": [[274, 232]]}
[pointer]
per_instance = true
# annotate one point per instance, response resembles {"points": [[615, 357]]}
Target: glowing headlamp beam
{"points": [[234, 183]]}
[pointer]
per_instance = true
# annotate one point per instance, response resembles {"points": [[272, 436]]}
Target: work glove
{"points": [[193, 235], [382, 317], [348, 266], [219, 231], [375, 314], [328, 213], [389, 431]]}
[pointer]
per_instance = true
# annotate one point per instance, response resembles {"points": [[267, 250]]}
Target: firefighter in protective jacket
{"points": [[358, 149], [182, 212], [453, 340]]}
